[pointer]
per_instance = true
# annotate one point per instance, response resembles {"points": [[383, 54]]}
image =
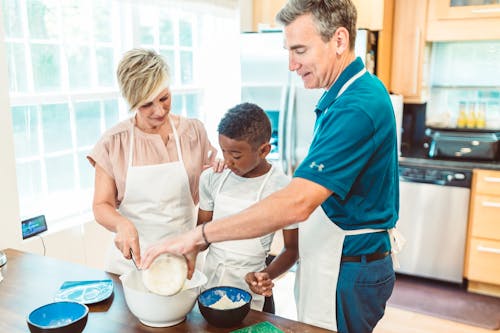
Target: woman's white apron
{"points": [[157, 200]]}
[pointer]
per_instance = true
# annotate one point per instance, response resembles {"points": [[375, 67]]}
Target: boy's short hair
{"points": [[248, 122]]}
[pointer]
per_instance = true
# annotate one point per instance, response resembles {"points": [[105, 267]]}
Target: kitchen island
{"points": [[32, 280]]}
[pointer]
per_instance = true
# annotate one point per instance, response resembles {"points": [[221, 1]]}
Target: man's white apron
{"points": [[320, 250]]}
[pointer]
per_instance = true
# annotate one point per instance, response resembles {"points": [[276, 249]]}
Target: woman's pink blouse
{"points": [[112, 151]]}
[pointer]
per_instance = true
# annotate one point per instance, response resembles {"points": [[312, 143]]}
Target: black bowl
{"points": [[231, 313], [58, 317]]}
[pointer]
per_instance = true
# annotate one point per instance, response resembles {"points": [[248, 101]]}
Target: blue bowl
{"points": [[224, 317], [58, 317]]}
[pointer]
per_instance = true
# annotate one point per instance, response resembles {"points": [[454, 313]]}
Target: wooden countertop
{"points": [[32, 280]]}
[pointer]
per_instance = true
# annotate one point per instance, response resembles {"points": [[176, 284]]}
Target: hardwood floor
{"points": [[394, 321]]}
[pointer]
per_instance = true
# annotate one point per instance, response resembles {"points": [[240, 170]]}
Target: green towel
{"points": [[263, 327]]}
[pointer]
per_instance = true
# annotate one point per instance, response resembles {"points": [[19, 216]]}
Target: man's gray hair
{"points": [[329, 15]]}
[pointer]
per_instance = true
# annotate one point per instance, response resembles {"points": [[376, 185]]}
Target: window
{"points": [[62, 56]]}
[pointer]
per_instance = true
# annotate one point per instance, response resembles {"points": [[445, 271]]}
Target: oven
{"points": [[434, 205]]}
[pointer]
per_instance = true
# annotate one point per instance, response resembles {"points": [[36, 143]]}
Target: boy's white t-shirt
{"points": [[241, 187]]}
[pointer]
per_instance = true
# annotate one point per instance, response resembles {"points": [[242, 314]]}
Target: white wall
{"points": [[85, 244], [10, 229]]}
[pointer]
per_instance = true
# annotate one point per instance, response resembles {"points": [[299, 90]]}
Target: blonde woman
{"points": [[147, 167]]}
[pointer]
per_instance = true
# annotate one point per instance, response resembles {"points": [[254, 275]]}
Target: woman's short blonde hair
{"points": [[140, 73]]}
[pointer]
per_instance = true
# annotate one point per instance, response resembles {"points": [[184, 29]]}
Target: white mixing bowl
{"points": [[156, 310]]}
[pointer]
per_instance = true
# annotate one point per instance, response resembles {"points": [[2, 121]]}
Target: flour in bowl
{"points": [[225, 303]]}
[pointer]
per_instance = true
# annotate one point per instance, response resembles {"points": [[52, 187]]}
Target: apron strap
{"points": [[222, 182], [259, 194], [176, 138], [261, 189], [397, 244], [131, 148]]}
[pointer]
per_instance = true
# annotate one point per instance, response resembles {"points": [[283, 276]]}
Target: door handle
{"points": [[491, 204], [492, 179], [481, 248]]}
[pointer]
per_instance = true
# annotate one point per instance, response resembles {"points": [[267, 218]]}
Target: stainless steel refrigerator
{"points": [[266, 81]]}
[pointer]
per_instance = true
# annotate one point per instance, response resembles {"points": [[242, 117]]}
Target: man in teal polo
{"points": [[346, 189]]}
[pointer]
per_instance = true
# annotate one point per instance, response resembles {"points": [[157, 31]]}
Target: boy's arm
{"points": [[204, 216], [288, 255], [262, 282]]}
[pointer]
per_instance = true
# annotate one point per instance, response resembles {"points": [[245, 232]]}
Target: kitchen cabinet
{"points": [[451, 20], [370, 13], [482, 266], [264, 12], [409, 54]]}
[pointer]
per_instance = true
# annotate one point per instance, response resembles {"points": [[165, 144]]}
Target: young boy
{"points": [[244, 134]]}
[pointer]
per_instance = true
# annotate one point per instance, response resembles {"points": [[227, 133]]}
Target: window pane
{"points": [[88, 124], [146, 30], [186, 67], [102, 20], [177, 102], [86, 171], [17, 68], [105, 66], [111, 114], [192, 108], [185, 33], [78, 66], [60, 173], [56, 127], [169, 56], [29, 184], [75, 21], [46, 67], [12, 18], [25, 123], [166, 32], [42, 19]]}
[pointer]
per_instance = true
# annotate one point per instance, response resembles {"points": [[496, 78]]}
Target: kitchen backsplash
{"points": [[464, 85]]}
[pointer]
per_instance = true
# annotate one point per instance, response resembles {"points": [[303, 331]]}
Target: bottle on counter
{"points": [[481, 115], [471, 115], [462, 114]]}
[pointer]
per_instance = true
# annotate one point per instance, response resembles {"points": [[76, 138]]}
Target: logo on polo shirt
{"points": [[320, 166]]}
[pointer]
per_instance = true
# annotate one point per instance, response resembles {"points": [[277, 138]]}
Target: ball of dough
{"points": [[166, 275]]}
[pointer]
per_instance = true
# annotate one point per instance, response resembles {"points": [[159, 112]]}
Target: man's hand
{"points": [[184, 245]]}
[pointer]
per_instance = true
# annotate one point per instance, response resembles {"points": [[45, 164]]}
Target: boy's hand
{"points": [[260, 283]]}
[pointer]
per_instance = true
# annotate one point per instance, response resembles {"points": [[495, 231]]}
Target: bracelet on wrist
{"points": [[207, 243]]}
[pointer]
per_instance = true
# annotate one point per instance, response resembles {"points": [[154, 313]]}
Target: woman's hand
{"points": [[127, 239], [218, 165], [260, 283]]}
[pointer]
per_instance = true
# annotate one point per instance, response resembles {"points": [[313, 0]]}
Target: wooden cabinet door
{"points": [[466, 9], [408, 46], [486, 217], [487, 182], [463, 20], [370, 13], [484, 261]]}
